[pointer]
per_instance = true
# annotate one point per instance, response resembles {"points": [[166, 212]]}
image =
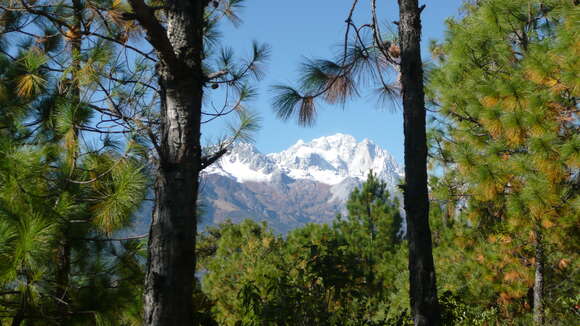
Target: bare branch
{"points": [[210, 159], [137, 237], [110, 39], [217, 74], [156, 34]]}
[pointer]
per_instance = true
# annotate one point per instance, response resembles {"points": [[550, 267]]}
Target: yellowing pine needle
{"points": [[29, 85]]}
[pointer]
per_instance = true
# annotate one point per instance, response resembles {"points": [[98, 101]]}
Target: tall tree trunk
{"points": [[62, 279], [539, 279], [423, 293], [171, 265], [19, 317], [17, 320], [64, 252]]}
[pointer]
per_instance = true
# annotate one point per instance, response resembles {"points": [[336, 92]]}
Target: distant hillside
{"points": [[308, 182]]}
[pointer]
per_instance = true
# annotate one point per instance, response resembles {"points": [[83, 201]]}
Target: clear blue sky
{"points": [[313, 28]]}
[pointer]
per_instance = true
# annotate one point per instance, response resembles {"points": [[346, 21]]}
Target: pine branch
{"points": [[157, 35], [125, 45], [217, 74], [137, 237]]}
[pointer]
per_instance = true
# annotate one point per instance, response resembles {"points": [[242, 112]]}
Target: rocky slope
{"points": [[308, 182]]}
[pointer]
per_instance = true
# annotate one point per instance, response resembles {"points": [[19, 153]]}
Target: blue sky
{"points": [[313, 29]]}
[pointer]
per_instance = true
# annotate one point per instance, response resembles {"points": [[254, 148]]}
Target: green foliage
{"points": [[59, 198], [354, 272], [344, 274], [79, 117], [503, 139], [505, 146]]}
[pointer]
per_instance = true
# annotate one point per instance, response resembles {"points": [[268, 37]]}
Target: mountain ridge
{"points": [[329, 160], [308, 182]]}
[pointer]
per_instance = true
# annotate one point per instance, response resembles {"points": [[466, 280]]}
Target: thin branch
{"points": [[217, 74], [137, 237], [348, 22], [89, 33]]}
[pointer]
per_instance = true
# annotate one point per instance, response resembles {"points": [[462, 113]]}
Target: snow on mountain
{"points": [[307, 183], [244, 163], [330, 160]]}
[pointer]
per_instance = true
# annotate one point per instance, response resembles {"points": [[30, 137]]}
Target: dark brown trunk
{"points": [[423, 292], [62, 280], [539, 280], [171, 265], [17, 320]]}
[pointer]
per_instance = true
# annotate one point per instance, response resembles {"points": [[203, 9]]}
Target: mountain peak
{"points": [[333, 141], [329, 160], [337, 138], [308, 182]]}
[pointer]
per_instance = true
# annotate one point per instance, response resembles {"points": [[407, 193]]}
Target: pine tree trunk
{"points": [[171, 265], [423, 290], [64, 251], [17, 320], [19, 317], [62, 280], [539, 280]]}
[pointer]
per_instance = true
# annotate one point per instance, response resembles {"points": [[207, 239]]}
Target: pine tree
{"points": [[59, 201], [179, 42], [372, 226], [374, 61], [121, 84], [345, 274], [507, 98], [423, 292]]}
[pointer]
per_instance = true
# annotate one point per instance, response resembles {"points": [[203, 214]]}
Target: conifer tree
{"points": [[343, 274], [507, 98], [178, 39], [371, 213], [374, 61], [152, 88], [60, 200]]}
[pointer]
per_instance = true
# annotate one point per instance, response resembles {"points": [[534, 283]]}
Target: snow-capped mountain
{"points": [[329, 160], [308, 182]]}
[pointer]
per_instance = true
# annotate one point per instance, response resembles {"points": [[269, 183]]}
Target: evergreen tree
{"points": [[374, 61], [344, 274], [423, 289], [178, 39], [118, 83], [59, 202], [506, 91], [371, 213]]}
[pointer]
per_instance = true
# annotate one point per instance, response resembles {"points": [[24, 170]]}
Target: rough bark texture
{"points": [[423, 293], [539, 280], [171, 266]]}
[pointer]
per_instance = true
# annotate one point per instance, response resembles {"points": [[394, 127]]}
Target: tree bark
{"points": [[171, 266], [539, 280], [423, 290], [63, 280]]}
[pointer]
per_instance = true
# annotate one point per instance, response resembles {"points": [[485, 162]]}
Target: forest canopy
{"points": [[102, 107]]}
